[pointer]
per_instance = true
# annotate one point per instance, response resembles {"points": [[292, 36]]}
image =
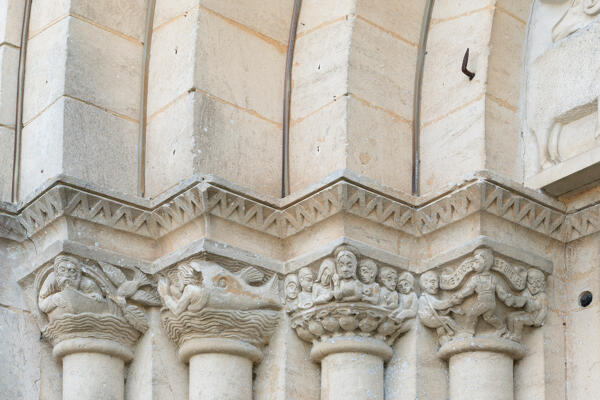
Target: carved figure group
{"points": [[345, 279], [480, 277]]}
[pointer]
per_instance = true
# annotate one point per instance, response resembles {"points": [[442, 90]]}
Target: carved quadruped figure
{"points": [[346, 287], [322, 290], [306, 279], [536, 306], [292, 290], [433, 312], [577, 16], [367, 272], [185, 292], [388, 297], [485, 286], [67, 289]]}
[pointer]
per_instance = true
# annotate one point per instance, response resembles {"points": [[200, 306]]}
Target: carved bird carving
{"points": [[130, 288]]}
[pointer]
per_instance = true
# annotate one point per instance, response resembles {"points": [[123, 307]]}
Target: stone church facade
{"points": [[299, 199]]}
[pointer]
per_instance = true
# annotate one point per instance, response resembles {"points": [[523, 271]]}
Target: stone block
{"points": [[99, 147], [229, 67], [20, 355], [452, 147], [125, 17], [9, 68], [503, 141], [318, 144], [11, 294], [399, 19], [450, 9], [7, 143], [269, 17], [170, 146], [317, 14], [382, 74], [320, 73], [168, 11], [45, 69], [236, 145], [171, 71], [379, 145], [103, 69], [11, 21], [42, 149]]}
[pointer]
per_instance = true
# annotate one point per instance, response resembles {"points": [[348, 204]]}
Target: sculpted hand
{"points": [[59, 301], [96, 296]]}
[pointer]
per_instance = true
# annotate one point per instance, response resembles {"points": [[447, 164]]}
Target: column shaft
{"points": [[481, 375], [218, 376], [352, 376], [93, 376]]}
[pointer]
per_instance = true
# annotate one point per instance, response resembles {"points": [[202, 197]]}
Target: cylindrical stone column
{"points": [[93, 369], [481, 368], [220, 368], [351, 367]]}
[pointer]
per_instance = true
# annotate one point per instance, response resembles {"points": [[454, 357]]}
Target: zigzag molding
{"points": [[342, 196]]}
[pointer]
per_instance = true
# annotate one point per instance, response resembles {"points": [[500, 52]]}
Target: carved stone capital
{"points": [[208, 308], [89, 306], [350, 302], [484, 303]]}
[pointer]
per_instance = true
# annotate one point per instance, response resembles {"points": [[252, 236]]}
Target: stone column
{"points": [[88, 314], [479, 333], [220, 320], [351, 320]]}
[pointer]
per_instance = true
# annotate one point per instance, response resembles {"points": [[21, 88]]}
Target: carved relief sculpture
{"points": [[78, 300], [348, 301], [578, 15], [478, 300]]}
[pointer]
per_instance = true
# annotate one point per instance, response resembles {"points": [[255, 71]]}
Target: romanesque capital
{"points": [[92, 306], [350, 297], [482, 304], [210, 309]]}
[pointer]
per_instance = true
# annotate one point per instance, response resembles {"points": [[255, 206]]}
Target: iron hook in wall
{"points": [[465, 62]]}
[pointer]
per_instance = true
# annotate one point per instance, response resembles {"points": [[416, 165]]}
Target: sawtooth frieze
{"points": [[285, 221]]}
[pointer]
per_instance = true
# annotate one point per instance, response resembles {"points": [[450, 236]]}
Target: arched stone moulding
{"points": [[481, 299], [220, 318], [92, 313], [351, 308]]}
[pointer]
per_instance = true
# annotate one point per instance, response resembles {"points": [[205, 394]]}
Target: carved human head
{"points": [[536, 281], [484, 259], [187, 275], [306, 279], [291, 287], [430, 282], [367, 271], [67, 270], [345, 262], [388, 277], [406, 283], [326, 271]]}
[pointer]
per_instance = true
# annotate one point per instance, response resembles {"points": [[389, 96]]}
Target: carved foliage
{"points": [[350, 296]]}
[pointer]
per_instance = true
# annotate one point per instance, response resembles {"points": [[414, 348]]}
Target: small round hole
{"points": [[585, 299]]}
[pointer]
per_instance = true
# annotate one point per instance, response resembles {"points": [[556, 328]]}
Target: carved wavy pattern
{"points": [[88, 325], [282, 223], [254, 327]]}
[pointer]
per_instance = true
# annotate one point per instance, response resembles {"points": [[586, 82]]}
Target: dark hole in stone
{"points": [[585, 299]]}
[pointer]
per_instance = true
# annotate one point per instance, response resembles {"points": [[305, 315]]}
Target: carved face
{"points": [[484, 258], [306, 278], [291, 287], [367, 271], [389, 278], [430, 282], [346, 265], [68, 272], [405, 286], [536, 281]]}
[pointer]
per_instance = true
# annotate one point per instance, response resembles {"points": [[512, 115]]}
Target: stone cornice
{"points": [[285, 217]]}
